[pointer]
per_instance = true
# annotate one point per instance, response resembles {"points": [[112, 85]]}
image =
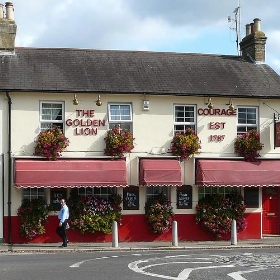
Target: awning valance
{"points": [[160, 172], [213, 172], [70, 173]]}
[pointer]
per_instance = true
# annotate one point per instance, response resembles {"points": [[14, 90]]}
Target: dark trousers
{"points": [[61, 231]]}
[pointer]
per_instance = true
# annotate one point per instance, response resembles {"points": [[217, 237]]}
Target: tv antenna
{"points": [[237, 22]]}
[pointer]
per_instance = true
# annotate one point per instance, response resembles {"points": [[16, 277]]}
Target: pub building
{"points": [[154, 94]]}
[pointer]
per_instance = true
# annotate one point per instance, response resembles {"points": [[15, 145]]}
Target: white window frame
{"points": [[185, 124], [33, 193], [205, 190], [52, 122], [153, 191], [246, 125], [103, 192], [121, 122]]}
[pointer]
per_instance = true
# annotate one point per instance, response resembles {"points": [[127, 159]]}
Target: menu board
{"points": [[56, 196], [184, 197], [131, 198]]}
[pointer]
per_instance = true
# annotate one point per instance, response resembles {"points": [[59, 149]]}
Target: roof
{"points": [[112, 71]]}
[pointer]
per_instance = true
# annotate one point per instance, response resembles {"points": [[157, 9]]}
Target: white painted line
{"points": [[237, 275]]}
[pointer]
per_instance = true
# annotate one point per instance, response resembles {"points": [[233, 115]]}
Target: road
{"points": [[232, 264]]}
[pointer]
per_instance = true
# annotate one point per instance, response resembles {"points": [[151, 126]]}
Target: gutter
{"points": [[9, 168]]}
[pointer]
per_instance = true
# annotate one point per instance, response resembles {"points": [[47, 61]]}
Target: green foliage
{"points": [[33, 216], [118, 141], [94, 214], [248, 145], [50, 143], [159, 214], [215, 213], [185, 144]]}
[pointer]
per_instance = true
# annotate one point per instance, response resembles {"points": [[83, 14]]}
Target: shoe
{"points": [[63, 245]]}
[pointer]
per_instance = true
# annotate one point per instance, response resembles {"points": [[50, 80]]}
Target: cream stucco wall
{"points": [[152, 129]]}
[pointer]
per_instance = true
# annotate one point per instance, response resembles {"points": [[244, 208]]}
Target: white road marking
{"points": [[237, 275], [79, 263]]}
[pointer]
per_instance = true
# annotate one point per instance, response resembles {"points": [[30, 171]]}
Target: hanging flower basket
{"points": [[50, 143], [159, 214], [185, 144], [248, 145], [118, 141]]}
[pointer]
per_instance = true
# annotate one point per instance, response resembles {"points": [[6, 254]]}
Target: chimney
{"points": [[252, 45], [8, 28]]}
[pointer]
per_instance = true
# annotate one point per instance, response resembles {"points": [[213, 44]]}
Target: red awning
{"points": [[70, 173], [237, 172], [160, 172]]}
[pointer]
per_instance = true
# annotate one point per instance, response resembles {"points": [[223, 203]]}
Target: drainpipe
{"points": [[3, 193], [9, 168]]}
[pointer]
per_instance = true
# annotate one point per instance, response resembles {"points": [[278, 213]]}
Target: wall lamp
{"points": [[230, 105], [98, 101], [75, 100], [209, 103]]}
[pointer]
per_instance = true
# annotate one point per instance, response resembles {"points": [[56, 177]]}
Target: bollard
{"points": [[233, 233], [115, 238], [174, 234]]}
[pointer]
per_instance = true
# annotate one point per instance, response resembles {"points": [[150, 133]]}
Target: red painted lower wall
{"points": [[134, 228]]}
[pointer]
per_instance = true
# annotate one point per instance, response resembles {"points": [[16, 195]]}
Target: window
{"points": [[33, 193], [51, 113], [251, 197], [120, 115], [247, 119], [154, 191], [184, 117], [103, 192], [204, 191]]}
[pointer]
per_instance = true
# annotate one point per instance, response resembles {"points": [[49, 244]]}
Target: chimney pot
{"points": [[1, 11], [248, 29], [9, 11], [257, 24], [252, 27]]}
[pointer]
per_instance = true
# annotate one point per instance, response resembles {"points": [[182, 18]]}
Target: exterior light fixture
{"points": [[98, 101], [230, 105], [75, 100], [209, 103]]}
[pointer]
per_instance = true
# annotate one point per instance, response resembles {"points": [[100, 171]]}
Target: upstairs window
{"points": [[120, 115], [184, 117], [51, 113], [247, 119]]}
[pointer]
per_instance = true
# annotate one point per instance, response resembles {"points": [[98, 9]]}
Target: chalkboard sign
{"points": [[131, 198], [184, 197], [56, 196], [251, 197]]}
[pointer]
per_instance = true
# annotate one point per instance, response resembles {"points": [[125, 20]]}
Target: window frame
{"points": [[122, 123], [247, 125], [209, 190], [52, 122], [92, 191], [31, 196], [156, 190], [186, 124]]}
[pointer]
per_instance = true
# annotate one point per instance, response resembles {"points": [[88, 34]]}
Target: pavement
{"points": [[268, 242]]}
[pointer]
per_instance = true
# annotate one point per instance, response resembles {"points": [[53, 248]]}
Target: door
{"points": [[270, 206]]}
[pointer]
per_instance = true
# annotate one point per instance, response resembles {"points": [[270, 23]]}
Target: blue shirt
{"points": [[63, 213]]}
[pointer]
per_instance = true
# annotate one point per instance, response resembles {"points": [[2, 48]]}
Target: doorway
{"points": [[270, 206]]}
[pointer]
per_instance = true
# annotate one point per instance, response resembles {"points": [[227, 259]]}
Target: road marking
{"points": [[79, 263], [237, 275]]}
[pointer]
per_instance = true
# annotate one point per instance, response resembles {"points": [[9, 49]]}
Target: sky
{"points": [[191, 26]]}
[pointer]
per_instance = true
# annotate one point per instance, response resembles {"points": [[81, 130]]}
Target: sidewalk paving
{"points": [[271, 242]]}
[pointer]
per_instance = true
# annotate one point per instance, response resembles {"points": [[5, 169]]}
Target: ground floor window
{"points": [[153, 191], [104, 192], [33, 193], [204, 191], [251, 197]]}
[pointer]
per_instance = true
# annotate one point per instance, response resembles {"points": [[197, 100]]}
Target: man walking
{"points": [[63, 219]]}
